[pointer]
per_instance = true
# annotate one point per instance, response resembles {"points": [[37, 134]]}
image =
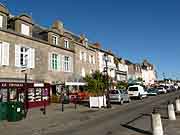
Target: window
{"points": [[66, 43], [24, 57], [83, 56], [54, 39], [4, 53], [1, 21], [66, 63], [25, 29], [54, 61]]}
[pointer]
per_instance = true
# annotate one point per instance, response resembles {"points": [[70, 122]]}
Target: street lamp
{"points": [[26, 90], [107, 80]]}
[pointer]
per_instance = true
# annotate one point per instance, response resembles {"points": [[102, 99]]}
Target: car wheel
{"points": [[121, 102], [140, 97], [129, 100]]}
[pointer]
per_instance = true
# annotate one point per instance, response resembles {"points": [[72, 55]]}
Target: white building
{"points": [[122, 71], [148, 73], [110, 64]]}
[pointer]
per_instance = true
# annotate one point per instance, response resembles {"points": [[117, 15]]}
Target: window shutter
{"points": [[31, 58], [0, 52], [62, 67], [59, 63], [5, 53], [94, 62], [80, 55], [49, 61], [17, 56]]}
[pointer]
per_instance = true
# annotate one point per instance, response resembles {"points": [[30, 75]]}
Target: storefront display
{"points": [[37, 94]]}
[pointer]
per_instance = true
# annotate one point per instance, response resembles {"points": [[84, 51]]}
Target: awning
{"points": [[75, 83]]}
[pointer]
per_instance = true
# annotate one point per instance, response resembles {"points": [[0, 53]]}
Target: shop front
{"points": [[31, 94]]}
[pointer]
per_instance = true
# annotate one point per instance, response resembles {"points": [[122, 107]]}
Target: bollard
{"points": [[177, 105], [171, 113], [156, 124]]}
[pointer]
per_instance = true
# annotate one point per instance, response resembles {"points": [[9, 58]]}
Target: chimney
{"points": [[97, 45]]}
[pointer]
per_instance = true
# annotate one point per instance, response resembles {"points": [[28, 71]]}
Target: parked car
{"points": [[152, 92], [119, 96], [162, 90], [137, 91]]}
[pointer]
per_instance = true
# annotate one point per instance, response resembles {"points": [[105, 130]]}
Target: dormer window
{"points": [[1, 21], [25, 29], [54, 39], [66, 43]]}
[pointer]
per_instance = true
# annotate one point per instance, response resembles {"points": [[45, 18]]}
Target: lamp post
{"points": [[26, 91], [107, 80]]}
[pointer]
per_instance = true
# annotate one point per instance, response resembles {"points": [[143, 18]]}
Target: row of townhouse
{"points": [[55, 54]]}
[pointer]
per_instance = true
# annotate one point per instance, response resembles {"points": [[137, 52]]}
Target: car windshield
{"points": [[133, 89], [160, 88], [114, 92]]}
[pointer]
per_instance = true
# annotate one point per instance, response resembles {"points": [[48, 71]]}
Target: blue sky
{"points": [[134, 29]]}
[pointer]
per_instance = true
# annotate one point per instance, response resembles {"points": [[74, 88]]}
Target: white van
{"points": [[136, 91]]}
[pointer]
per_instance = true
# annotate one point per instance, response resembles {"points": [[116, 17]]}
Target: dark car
{"points": [[152, 92]]}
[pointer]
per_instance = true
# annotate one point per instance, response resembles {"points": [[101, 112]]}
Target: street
{"points": [[129, 119]]}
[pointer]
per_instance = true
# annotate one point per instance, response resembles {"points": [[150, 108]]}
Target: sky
{"points": [[133, 29]]}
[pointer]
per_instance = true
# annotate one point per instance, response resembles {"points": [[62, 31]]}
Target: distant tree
{"points": [[122, 85], [139, 79]]}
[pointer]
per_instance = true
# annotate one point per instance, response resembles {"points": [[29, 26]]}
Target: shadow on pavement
{"points": [[127, 125], [137, 129]]}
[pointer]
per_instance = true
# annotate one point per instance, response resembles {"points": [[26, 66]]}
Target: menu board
{"points": [[12, 94], [45, 94], [4, 93], [31, 95]]}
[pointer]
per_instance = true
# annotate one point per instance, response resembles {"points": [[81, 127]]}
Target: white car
{"points": [[162, 90], [137, 91], [119, 96]]}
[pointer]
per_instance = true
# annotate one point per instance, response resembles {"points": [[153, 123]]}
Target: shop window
{"points": [[3, 95]]}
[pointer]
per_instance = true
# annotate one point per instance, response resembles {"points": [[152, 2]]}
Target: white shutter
{"points": [[80, 55], [94, 62], [25, 29], [31, 58], [5, 53], [0, 52], [49, 61], [59, 62], [17, 55]]}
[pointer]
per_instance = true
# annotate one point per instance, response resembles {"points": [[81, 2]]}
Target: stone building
{"points": [[46, 54]]}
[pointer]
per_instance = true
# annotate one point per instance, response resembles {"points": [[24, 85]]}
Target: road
{"points": [[128, 119]]}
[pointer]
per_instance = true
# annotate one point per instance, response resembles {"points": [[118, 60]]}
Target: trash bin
{"points": [[3, 111], [15, 111]]}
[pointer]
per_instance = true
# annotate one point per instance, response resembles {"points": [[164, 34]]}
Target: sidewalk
{"points": [[36, 123]]}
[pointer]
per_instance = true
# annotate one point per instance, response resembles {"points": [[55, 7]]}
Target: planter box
{"points": [[99, 101]]}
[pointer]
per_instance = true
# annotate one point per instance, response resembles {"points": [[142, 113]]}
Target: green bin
{"points": [[15, 111], [3, 110]]}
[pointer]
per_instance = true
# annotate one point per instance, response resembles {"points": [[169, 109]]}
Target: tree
{"points": [[96, 83], [122, 85]]}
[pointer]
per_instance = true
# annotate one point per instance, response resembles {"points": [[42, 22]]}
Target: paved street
{"points": [[128, 119]]}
